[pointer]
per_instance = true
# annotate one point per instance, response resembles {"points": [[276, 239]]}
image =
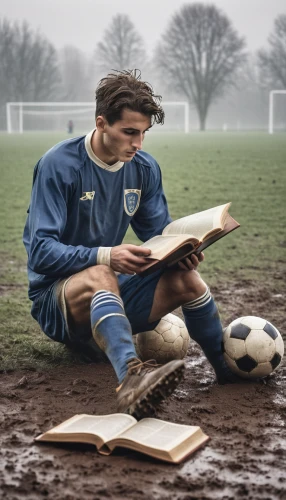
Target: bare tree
{"points": [[28, 64], [272, 61], [199, 55], [123, 47]]}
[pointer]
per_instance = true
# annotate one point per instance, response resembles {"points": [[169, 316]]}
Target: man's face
{"points": [[122, 139]]}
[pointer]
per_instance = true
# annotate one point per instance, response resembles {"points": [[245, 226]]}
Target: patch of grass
{"points": [[205, 170], [199, 171], [23, 345]]}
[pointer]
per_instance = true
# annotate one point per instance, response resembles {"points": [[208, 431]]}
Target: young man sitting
{"points": [[85, 284]]}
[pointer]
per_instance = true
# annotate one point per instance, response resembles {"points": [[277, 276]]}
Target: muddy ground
{"points": [[245, 458]]}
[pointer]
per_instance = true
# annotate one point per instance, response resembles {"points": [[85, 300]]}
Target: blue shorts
{"points": [[136, 292]]}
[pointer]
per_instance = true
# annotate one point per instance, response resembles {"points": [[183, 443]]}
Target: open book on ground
{"points": [[157, 438], [191, 234]]}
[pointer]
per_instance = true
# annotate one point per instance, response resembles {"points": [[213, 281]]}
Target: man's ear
{"points": [[100, 123]]}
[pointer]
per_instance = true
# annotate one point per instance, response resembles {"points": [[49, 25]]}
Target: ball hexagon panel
{"points": [[171, 334], [178, 343], [235, 348], [150, 339], [173, 319], [260, 346], [253, 322], [163, 326], [166, 347], [262, 370]]}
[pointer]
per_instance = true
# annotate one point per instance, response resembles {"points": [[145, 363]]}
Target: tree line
{"points": [[199, 57]]}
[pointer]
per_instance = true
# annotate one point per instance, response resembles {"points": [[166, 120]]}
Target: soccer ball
{"points": [[169, 340], [252, 347]]}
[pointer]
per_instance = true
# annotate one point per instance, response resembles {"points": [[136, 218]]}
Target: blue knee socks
{"points": [[111, 330], [204, 326]]}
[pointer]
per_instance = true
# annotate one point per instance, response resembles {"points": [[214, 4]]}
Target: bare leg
{"points": [[93, 303], [81, 288], [176, 287], [93, 296]]}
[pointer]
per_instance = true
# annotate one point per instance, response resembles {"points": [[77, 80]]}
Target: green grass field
{"points": [[199, 171]]}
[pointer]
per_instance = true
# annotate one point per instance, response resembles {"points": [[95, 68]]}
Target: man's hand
{"points": [[192, 262], [129, 259]]}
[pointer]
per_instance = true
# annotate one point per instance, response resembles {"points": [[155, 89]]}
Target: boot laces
{"points": [[136, 366]]}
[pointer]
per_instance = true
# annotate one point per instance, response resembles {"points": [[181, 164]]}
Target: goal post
{"points": [[50, 115], [184, 106], [271, 109], [53, 116]]}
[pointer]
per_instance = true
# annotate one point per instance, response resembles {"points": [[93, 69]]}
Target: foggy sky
{"points": [[82, 22]]}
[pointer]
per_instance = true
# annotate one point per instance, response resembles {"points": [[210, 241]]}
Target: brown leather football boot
{"points": [[146, 385]]}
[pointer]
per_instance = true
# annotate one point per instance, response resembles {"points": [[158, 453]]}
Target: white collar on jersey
{"points": [[112, 168]]}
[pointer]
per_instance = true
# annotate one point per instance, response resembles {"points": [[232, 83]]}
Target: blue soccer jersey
{"points": [[79, 204]]}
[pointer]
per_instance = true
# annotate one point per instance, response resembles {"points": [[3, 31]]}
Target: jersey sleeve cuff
{"points": [[104, 255]]}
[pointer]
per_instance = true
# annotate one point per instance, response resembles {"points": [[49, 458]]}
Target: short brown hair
{"points": [[124, 89]]}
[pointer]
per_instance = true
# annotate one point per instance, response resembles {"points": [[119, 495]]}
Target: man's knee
{"points": [[176, 288], [189, 285], [100, 277], [81, 288]]}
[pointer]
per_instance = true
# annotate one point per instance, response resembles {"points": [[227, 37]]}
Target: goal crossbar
{"points": [[22, 104], [62, 104], [272, 93]]}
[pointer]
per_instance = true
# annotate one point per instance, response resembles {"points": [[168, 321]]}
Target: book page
{"points": [[104, 426], [160, 246], [158, 433], [200, 224]]}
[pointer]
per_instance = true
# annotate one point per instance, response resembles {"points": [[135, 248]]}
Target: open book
{"points": [[191, 234], [157, 438]]}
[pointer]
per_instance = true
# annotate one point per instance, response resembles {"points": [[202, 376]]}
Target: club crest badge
{"points": [[131, 200]]}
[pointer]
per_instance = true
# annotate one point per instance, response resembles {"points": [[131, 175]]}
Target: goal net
{"points": [[50, 116], [56, 116], [277, 111]]}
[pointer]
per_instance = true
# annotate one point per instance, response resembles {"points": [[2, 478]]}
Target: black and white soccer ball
{"points": [[169, 340], [252, 347]]}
